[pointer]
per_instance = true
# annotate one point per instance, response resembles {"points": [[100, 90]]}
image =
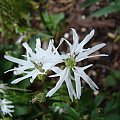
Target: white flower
{"points": [[6, 107], [3, 87], [64, 75], [35, 63], [71, 72]]}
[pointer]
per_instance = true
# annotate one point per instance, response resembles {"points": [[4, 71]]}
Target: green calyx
{"points": [[70, 62], [41, 77]]}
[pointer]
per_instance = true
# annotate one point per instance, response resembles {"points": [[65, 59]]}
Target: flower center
{"points": [[39, 66], [70, 62]]}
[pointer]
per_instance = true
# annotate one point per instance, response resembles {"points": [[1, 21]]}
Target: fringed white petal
{"points": [[89, 81], [75, 41], [85, 54], [75, 36], [58, 84], [69, 91], [56, 70], [29, 50], [34, 75], [92, 56], [78, 85], [85, 67], [70, 88], [94, 49], [22, 78], [38, 43], [85, 40], [15, 60], [50, 46]]}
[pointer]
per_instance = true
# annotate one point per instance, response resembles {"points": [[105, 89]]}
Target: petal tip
{"points": [[72, 28], [104, 44], [92, 32], [14, 82], [5, 56], [48, 95]]}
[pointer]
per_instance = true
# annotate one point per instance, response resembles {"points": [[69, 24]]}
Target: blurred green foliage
{"points": [[51, 22], [35, 105], [28, 18], [113, 79], [113, 6], [18, 17]]}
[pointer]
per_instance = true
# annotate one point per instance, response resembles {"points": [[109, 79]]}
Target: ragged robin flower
{"points": [[72, 72], [34, 64]]}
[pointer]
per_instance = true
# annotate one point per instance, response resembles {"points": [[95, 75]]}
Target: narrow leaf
{"points": [[109, 9], [74, 115], [88, 3]]}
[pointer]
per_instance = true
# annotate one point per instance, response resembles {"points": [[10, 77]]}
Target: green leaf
{"points": [[112, 117], [99, 98], [95, 115], [57, 18], [111, 107], [46, 17], [21, 29], [21, 110], [24, 84], [88, 3], [52, 21], [117, 2], [116, 74], [44, 36], [110, 81], [109, 9], [74, 115]]}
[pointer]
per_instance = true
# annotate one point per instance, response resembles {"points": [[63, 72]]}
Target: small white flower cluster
{"points": [[6, 106], [35, 64], [40, 61]]}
